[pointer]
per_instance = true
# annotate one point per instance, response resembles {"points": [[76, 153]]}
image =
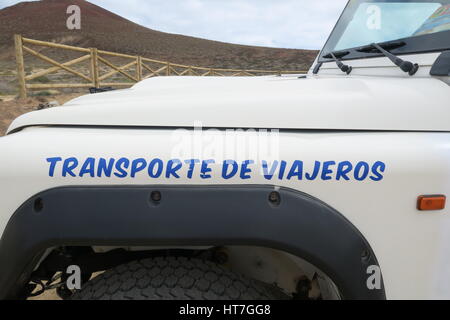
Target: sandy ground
{"points": [[11, 108], [48, 295]]}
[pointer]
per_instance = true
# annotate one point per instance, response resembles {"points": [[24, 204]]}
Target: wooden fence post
{"points": [[168, 69], [139, 68], [94, 68], [20, 66]]}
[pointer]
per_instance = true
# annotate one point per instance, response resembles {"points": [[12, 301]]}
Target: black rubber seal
{"points": [[190, 216]]}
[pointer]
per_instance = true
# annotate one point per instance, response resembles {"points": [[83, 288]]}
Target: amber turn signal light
{"points": [[431, 203]]}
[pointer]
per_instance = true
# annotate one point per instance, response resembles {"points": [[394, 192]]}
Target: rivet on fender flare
{"points": [[38, 205], [156, 196], [274, 198]]}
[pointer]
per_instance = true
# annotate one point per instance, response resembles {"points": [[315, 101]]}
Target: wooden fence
{"points": [[144, 68]]}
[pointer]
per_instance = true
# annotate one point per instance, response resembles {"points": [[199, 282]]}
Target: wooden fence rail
{"points": [[144, 68]]}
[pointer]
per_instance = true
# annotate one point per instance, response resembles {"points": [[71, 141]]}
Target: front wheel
{"points": [[171, 278]]}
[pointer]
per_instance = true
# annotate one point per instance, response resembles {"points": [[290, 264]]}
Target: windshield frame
{"points": [[435, 42]]}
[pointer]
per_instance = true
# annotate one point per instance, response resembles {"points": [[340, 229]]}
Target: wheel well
{"points": [[293, 275]]}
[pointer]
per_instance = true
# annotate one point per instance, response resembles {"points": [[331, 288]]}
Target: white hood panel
{"points": [[322, 102]]}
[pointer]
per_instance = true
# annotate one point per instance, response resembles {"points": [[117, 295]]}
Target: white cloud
{"points": [[303, 24]]}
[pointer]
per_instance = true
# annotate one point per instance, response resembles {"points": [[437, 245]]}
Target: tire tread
{"points": [[174, 278]]}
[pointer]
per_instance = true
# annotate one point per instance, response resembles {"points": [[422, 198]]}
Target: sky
{"points": [[300, 24]]}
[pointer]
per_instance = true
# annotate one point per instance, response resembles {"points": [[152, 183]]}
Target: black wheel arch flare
{"points": [[250, 215]]}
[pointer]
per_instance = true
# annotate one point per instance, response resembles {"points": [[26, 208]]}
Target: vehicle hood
{"points": [[287, 102]]}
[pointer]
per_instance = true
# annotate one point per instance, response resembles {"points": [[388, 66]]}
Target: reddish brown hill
{"points": [[46, 20]]}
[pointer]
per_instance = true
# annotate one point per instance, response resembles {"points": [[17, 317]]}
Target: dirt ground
{"points": [[52, 295], [11, 108], [48, 295]]}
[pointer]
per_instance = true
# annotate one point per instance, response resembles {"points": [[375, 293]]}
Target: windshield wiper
{"points": [[344, 68], [406, 66], [389, 45], [334, 56]]}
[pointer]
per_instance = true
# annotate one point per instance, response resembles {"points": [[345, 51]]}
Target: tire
{"points": [[171, 278]]}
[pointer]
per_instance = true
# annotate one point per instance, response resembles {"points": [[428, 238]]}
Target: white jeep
{"points": [[330, 185]]}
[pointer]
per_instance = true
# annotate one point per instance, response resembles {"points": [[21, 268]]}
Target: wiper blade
{"points": [[338, 54], [406, 66], [389, 45]]}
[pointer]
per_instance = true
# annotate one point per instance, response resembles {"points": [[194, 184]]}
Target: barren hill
{"points": [[46, 20]]}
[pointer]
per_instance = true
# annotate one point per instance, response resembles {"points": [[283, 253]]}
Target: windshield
{"points": [[423, 26]]}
